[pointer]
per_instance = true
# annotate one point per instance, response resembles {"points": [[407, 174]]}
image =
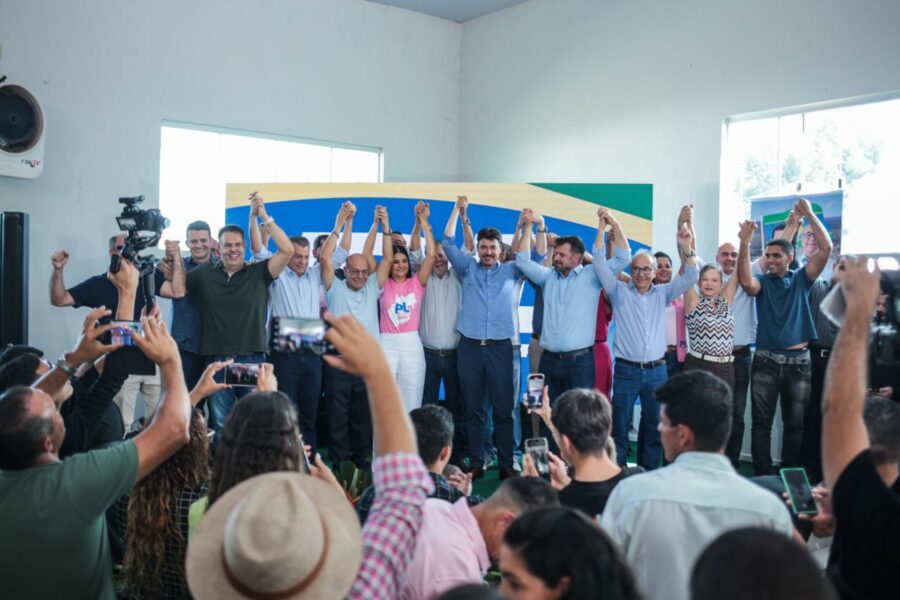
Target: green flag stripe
{"points": [[632, 198]]}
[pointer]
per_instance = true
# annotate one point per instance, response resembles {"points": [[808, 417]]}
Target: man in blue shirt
{"points": [[640, 344], [781, 365], [570, 296], [486, 324]]}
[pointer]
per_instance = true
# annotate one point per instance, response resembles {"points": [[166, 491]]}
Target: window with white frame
{"points": [[196, 163], [852, 145]]}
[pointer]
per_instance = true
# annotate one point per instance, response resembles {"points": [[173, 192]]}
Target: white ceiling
{"points": [[454, 10]]}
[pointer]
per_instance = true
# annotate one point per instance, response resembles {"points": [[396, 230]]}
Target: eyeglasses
{"points": [[355, 272], [646, 270]]}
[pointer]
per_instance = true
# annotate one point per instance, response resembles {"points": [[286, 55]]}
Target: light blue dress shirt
{"points": [[640, 318], [570, 302], [293, 295], [362, 304], [487, 296]]}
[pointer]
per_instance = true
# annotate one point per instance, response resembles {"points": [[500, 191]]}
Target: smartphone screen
{"points": [[304, 458], [122, 331], [292, 334], [797, 486], [535, 390], [538, 450], [241, 375]]}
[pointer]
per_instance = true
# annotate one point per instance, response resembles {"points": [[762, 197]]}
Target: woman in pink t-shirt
{"points": [[400, 306]]}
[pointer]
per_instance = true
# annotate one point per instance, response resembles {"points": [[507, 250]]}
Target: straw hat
{"points": [[276, 536]]}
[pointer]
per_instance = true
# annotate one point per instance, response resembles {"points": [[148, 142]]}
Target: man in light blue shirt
{"points": [[640, 344], [663, 520], [570, 293], [298, 293], [486, 323]]}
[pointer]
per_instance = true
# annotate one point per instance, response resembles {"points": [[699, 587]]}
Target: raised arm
{"points": [[369, 244], [430, 250], [176, 287], [468, 234], [687, 277], [285, 248], [540, 243], [170, 428], [791, 225], [844, 433], [817, 261], [253, 225], [523, 229], [347, 238], [686, 217], [59, 296], [532, 270], [126, 282], [730, 289], [745, 271], [602, 267], [387, 248]]}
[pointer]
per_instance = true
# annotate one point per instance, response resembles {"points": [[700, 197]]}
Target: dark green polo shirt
{"points": [[232, 309]]}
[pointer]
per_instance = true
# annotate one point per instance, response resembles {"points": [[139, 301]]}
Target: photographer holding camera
{"points": [[98, 291]]}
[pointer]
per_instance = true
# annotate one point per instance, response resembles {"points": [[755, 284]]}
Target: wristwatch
{"points": [[63, 365], [268, 222], [542, 229]]}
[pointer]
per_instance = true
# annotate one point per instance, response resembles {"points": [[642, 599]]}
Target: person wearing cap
{"points": [[289, 535], [54, 542]]}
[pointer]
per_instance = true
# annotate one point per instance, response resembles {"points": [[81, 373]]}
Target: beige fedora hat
{"points": [[276, 536]]}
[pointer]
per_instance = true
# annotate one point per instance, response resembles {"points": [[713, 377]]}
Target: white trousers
{"points": [[406, 360], [149, 388]]}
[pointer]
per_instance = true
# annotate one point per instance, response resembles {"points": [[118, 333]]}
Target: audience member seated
{"points": [[54, 542], [580, 425], [663, 520], [91, 418], [457, 543], [861, 468], [470, 591], [289, 535], [156, 519], [433, 425], [556, 553], [752, 563]]}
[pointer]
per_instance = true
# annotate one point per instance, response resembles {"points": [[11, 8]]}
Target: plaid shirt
{"points": [[389, 535]]}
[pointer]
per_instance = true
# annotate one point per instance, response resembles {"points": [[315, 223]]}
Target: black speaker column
{"points": [[13, 278]]}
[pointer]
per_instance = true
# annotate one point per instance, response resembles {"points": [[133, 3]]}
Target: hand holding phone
{"points": [[534, 399], [799, 491], [539, 451], [241, 375]]}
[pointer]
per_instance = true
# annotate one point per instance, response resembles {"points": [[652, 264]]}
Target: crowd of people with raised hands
{"points": [[224, 491]]}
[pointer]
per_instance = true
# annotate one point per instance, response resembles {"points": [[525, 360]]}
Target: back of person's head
{"points": [[585, 417], [751, 563], [434, 431], [13, 351], [22, 370], [702, 402], [260, 435], [521, 494], [22, 435], [154, 521], [882, 418], [569, 554], [470, 591]]}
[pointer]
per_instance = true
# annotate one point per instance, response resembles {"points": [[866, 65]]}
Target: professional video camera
{"points": [[143, 229], [884, 347]]}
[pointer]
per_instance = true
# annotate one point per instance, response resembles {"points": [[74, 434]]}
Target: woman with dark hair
{"points": [[400, 307], [557, 553], [157, 524]]}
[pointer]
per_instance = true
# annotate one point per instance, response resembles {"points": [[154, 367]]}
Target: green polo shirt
{"points": [[53, 538], [232, 309]]}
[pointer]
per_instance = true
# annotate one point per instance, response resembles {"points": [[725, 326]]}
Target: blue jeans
{"points": [[219, 404], [769, 380], [489, 448], [443, 368], [562, 375], [192, 365], [350, 420], [487, 369], [299, 376], [742, 360], [628, 383]]}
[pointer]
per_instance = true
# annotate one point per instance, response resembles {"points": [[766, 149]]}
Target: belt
{"points": [[711, 357], [567, 355], [781, 359], [820, 351], [642, 365], [436, 352], [740, 350], [484, 342]]}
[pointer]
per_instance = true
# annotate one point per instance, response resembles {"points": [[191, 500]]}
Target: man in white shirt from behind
{"points": [[663, 520]]}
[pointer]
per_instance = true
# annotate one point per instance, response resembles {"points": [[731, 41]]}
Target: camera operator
{"points": [[232, 296], [99, 291]]}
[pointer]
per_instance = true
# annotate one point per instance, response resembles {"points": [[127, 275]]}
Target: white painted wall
{"points": [[635, 92], [108, 73]]}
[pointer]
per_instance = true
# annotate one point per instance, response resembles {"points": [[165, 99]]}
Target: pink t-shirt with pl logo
{"points": [[401, 305]]}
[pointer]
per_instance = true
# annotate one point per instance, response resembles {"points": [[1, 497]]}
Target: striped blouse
{"points": [[711, 327]]}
